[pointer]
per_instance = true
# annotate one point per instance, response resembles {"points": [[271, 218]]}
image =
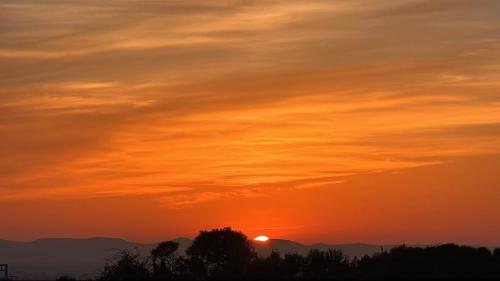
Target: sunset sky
{"points": [[370, 121]]}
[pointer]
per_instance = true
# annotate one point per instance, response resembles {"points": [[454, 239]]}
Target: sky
{"points": [[371, 121]]}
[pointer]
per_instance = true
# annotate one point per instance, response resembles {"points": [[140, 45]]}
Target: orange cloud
{"points": [[182, 107]]}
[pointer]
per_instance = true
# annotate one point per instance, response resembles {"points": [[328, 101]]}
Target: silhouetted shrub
{"points": [[127, 266]]}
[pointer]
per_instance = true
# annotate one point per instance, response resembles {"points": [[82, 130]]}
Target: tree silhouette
{"points": [[496, 261], [329, 265], [267, 268], [164, 260], [65, 278], [446, 261], [276, 267], [220, 254], [227, 254], [292, 266], [127, 266]]}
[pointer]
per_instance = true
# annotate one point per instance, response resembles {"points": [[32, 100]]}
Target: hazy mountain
{"points": [[85, 258], [50, 258], [287, 246]]}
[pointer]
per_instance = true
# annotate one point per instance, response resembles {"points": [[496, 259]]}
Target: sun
{"points": [[261, 238]]}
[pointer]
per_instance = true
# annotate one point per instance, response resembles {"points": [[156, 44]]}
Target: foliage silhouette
{"points": [[220, 254], [127, 266], [330, 265], [227, 254], [65, 278], [164, 260]]}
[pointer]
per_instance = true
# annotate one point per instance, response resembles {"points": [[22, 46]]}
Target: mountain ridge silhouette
{"points": [[49, 258]]}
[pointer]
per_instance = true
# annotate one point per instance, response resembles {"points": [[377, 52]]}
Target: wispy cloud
{"points": [[101, 98]]}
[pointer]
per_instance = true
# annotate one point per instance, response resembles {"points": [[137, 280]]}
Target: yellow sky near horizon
{"points": [[287, 117]]}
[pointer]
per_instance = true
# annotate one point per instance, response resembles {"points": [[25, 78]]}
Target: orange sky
{"points": [[334, 121]]}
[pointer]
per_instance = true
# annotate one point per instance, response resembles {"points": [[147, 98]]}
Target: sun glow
{"points": [[261, 238]]}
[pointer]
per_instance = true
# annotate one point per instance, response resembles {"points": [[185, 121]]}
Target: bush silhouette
{"points": [[127, 266]]}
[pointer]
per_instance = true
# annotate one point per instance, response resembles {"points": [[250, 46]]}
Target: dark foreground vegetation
{"points": [[227, 254]]}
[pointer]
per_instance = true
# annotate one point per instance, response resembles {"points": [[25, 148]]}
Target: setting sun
{"points": [[261, 238]]}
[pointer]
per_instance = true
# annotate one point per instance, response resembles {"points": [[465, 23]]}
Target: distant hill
{"points": [[51, 258], [287, 246], [85, 258]]}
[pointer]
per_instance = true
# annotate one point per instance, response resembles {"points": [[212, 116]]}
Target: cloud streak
{"points": [[203, 102]]}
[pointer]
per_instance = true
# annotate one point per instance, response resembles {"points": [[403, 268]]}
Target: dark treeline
{"points": [[227, 254]]}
